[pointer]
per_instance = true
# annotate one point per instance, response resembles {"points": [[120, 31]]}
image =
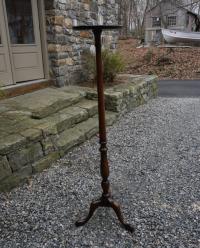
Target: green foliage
{"points": [[89, 61], [112, 64]]}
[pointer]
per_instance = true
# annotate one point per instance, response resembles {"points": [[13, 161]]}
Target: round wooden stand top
{"points": [[97, 27]]}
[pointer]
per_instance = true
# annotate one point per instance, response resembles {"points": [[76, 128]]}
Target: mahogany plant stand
{"points": [[106, 199]]}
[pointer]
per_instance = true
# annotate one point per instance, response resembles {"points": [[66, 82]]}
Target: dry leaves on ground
{"points": [[175, 63]]}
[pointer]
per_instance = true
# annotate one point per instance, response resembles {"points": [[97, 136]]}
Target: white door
{"points": [[20, 26], [5, 68], [25, 43]]}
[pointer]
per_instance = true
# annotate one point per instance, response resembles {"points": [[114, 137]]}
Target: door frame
{"points": [[43, 37], [5, 46], [43, 40]]}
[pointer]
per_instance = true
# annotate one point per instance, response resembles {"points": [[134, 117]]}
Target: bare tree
{"points": [[132, 13]]}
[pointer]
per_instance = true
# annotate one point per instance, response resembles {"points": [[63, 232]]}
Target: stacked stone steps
{"points": [[32, 130], [38, 128], [82, 131], [41, 141], [71, 126], [68, 117], [42, 103]]}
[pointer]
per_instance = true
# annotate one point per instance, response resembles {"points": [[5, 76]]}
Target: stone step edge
{"points": [[82, 132], [68, 117], [51, 125], [56, 107]]}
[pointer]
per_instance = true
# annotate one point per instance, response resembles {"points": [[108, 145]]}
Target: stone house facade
{"points": [[167, 14], [37, 42]]}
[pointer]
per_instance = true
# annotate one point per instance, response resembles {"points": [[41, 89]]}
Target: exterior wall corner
{"points": [[65, 46]]}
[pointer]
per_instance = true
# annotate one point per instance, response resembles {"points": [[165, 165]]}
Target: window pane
{"points": [[156, 22], [171, 20], [20, 21]]}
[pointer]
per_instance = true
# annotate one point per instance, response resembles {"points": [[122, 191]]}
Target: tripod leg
{"points": [[94, 205], [118, 212]]}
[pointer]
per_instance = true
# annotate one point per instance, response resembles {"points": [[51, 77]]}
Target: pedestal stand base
{"points": [[105, 200], [109, 203]]}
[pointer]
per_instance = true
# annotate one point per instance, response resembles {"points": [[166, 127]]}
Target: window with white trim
{"points": [[171, 20], [156, 22]]}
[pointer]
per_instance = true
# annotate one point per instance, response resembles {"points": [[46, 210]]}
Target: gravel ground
{"points": [[154, 155]]}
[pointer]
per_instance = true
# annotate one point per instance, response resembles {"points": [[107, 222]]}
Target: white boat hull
{"points": [[174, 36]]}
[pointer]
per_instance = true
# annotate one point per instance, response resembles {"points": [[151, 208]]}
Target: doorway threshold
{"points": [[24, 88]]}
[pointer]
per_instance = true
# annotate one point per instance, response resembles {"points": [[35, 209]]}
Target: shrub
{"points": [[112, 64], [89, 61]]}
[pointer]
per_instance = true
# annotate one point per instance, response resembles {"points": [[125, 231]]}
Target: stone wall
{"points": [[65, 46], [133, 91]]}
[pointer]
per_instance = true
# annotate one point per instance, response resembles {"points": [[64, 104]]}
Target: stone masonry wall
{"points": [[65, 46]]}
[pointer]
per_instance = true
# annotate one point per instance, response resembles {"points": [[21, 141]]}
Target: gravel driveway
{"points": [[154, 155]]}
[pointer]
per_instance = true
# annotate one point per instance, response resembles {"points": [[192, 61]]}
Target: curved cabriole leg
{"points": [[93, 206], [116, 207]]}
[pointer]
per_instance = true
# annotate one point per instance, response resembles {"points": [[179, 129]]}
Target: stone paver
{"points": [[154, 155], [43, 102]]}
